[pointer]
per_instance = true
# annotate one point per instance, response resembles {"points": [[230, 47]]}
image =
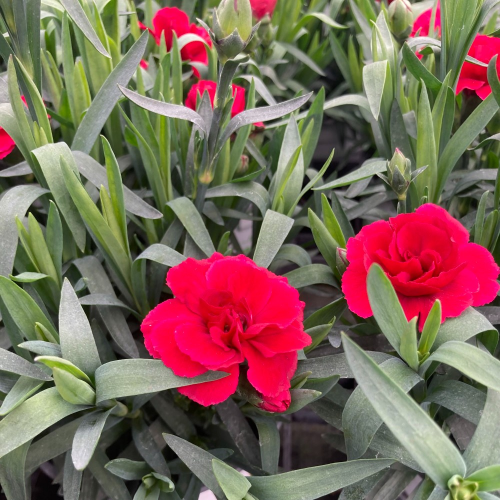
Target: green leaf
{"points": [[96, 174], [24, 310], [324, 240], [418, 70], [63, 364], [12, 473], [107, 97], [273, 232], [437, 456], [488, 478], [471, 361], [368, 169], [374, 79], [469, 324], [32, 418], [199, 462], [98, 282], [462, 399], [42, 348], [28, 277], [360, 421], [77, 14], [192, 221], [77, 340], [86, 438], [331, 222], [24, 388], [262, 115], [99, 229], [14, 203], [131, 377], [129, 470], [431, 328], [252, 191], [315, 482], [13, 363], [386, 307], [112, 486], [233, 484], [462, 139], [269, 441], [311, 275], [165, 108], [72, 480], [480, 453]]}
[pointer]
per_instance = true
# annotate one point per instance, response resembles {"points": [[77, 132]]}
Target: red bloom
{"points": [[474, 77], [427, 256], [227, 310], [7, 144], [170, 20], [203, 86], [144, 64], [261, 8], [422, 24]]}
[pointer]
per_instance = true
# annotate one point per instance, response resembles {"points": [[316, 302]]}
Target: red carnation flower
{"points": [[261, 8], [277, 404], [227, 310], [170, 20], [427, 256], [422, 24], [203, 86], [474, 77]]}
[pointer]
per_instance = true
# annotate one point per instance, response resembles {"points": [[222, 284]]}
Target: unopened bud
{"points": [[72, 389], [399, 174], [243, 168], [400, 18], [232, 27], [461, 489]]}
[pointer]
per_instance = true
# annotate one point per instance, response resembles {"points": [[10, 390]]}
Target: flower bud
{"points": [[232, 27], [234, 15], [461, 489], [72, 389], [399, 174], [400, 18]]}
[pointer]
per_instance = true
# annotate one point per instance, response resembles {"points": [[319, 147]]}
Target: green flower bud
{"points": [[399, 174], [400, 18], [233, 15], [461, 489], [72, 389], [232, 28]]}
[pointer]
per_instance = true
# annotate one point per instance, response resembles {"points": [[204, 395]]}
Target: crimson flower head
{"points": [[228, 311], [473, 77], [170, 20], [210, 87], [427, 256], [261, 8]]}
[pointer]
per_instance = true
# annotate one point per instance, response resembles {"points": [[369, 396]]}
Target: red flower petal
{"points": [[480, 261], [355, 289], [195, 341], [272, 340], [212, 393], [7, 144], [270, 376]]}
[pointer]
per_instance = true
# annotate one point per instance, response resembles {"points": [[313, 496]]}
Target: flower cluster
{"points": [[228, 311]]}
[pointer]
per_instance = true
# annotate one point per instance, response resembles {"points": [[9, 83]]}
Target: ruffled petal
{"points": [[270, 376], [212, 393], [480, 261], [355, 289], [272, 340], [195, 341]]}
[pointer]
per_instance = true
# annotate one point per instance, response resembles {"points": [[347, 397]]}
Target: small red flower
{"points": [[427, 256], [170, 20], [227, 310], [203, 86], [474, 77], [422, 24], [144, 64], [261, 8]]}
